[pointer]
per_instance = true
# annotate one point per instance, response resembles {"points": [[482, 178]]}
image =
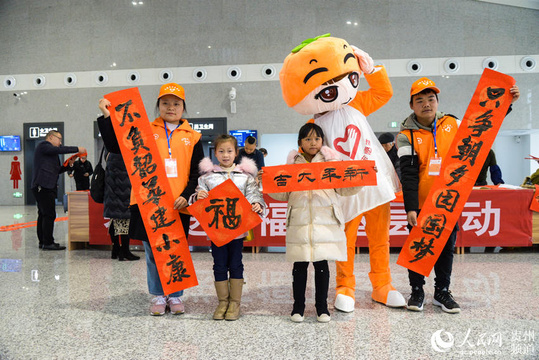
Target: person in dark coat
{"points": [[116, 206], [495, 171], [388, 143], [81, 172], [250, 151], [47, 169]]}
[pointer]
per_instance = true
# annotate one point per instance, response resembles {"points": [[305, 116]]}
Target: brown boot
{"points": [[221, 287], [233, 311]]}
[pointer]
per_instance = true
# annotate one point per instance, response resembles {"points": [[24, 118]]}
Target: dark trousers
{"points": [[228, 259], [83, 184], [46, 214], [321, 283], [442, 267]]}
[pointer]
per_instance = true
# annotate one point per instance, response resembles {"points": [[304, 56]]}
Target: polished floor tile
{"points": [[83, 305]]}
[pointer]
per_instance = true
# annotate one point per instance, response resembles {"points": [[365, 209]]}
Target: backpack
{"points": [[97, 184]]}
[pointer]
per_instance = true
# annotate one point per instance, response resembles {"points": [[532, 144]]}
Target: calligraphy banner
{"points": [[534, 204], [220, 226], [152, 190], [319, 175], [459, 171]]}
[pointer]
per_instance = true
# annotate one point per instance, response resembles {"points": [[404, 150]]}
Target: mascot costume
{"points": [[321, 77]]}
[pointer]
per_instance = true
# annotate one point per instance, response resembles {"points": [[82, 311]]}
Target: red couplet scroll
{"points": [[534, 205], [458, 173], [225, 214], [152, 190], [319, 175]]}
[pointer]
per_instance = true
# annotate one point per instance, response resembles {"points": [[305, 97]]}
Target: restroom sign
{"points": [[36, 132]]}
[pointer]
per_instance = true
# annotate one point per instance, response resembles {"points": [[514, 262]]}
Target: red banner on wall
{"points": [[319, 175], [494, 217], [225, 214], [460, 169], [152, 191]]}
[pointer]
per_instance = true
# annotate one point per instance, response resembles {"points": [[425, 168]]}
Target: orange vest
{"points": [[423, 145], [182, 143]]}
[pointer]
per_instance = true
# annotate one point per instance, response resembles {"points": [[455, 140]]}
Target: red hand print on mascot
{"points": [[351, 138]]}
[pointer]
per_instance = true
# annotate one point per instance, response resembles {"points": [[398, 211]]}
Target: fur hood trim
{"points": [[328, 153], [246, 166], [290, 159]]}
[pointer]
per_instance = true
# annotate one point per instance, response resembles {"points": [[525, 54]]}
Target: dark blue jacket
{"points": [[256, 155], [47, 166]]}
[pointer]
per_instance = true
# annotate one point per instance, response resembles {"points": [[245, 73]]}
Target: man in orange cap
{"points": [[424, 140]]}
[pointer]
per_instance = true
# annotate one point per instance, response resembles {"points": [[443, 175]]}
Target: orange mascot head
{"points": [[321, 74]]}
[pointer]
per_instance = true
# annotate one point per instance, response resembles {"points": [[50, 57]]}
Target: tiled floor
{"points": [[83, 305]]}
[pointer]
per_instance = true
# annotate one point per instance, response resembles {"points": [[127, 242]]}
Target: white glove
{"points": [[366, 64]]}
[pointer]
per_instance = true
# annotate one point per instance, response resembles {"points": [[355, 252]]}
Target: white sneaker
{"points": [[324, 318], [344, 303], [297, 318], [158, 306]]}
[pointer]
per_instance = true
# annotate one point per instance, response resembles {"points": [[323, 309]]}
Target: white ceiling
{"points": [[530, 4]]}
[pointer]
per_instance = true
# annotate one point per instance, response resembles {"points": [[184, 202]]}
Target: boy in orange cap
{"points": [[321, 77], [424, 140]]}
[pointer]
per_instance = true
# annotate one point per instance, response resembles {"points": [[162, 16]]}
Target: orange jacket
{"points": [[182, 143], [415, 178]]}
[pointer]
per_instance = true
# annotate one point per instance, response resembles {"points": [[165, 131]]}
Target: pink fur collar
{"points": [[246, 166]]}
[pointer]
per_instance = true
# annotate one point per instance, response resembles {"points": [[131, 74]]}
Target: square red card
{"points": [[225, 214]]}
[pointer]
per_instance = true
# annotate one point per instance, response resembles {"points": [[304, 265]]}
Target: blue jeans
{"points": [[154, 284], [227, 258]]}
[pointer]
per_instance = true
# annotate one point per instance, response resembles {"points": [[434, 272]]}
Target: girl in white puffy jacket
{"points": [[227, 259], [314, 226]]}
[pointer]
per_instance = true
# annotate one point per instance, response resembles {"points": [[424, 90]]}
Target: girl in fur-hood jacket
{"points": [[314, 225], [227, 259]]}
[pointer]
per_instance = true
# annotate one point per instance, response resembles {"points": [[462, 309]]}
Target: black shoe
{"points": [[416, 300], [53, 246], [444, 299], [115, 252], [129, 256]]}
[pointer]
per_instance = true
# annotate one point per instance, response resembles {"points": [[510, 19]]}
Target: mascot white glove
{"points": [[366, 64]]}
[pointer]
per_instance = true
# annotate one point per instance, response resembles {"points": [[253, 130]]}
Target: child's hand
{"points": [[103, 105], [259, 176], [202, 194], [515, 92], [257, 208]]}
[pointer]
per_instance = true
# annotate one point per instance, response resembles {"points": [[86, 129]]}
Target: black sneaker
{"points": [[444, 299], [416, 300]]}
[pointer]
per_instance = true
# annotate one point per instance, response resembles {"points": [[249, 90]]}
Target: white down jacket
{"points": [[315, 221]]}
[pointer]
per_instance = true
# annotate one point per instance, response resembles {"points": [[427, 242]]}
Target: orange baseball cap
{"points": [[422, 84], [172, 89]]}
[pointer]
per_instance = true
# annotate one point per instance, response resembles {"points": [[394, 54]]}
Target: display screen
{"points": [[241, 135], [10, 143]]}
